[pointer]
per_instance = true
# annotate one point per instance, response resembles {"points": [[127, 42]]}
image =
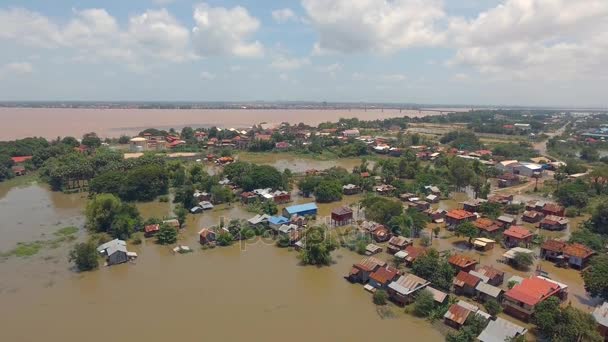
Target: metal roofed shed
{"points": [[501, 330], [510, 254]]}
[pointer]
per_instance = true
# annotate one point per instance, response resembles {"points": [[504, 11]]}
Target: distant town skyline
{"points": [[475, 52]]}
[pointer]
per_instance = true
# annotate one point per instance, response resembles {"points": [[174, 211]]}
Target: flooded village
{"points": [[215, 226]]}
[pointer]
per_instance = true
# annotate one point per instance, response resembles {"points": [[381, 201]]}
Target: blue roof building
{"points": [[277, 221], [307, 209]]}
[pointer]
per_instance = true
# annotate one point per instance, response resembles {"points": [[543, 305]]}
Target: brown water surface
{"points": [[53, 122]]}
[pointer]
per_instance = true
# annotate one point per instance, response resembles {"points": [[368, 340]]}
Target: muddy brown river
{"points": [[53, 122]]}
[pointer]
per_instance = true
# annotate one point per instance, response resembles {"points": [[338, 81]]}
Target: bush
{"points": [[84, 256], [380, 297], [493, 307], [424, 304], [523, 260], [166, 235], [571, 212], [225, 239]]}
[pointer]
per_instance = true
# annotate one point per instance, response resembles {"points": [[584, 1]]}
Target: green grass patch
{"points": [[27, 249], [67, 231]]}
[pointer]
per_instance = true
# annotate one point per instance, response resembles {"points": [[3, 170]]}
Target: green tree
{"points": [[167, 235], [318, 246], [473, 326], [467, 229], [432, 267], [328, 191], [101, 211], [523, 260], [70, 141], [596, 277], [224, 239], [380, 297], [221, 194], [493, 307], [91, 140], [564, 324], [381, 209], [424, 304], [308, 184], [84, 256], [181, 214], [599, 218]]}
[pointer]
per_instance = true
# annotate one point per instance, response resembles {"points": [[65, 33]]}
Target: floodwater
{"points": [[297, 164], [53, 122], [251, 291]]}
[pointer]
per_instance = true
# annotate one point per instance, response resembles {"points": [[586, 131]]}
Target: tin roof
{"points": [[464, 278], [490, 271], [553, 245], [408, 283], [459, 214], [438, 296], [488, 289], [384, 274], [601, 314], [461, 260], [294, 209], [518, 232], [578, 250], [459, 312], [399, 241], [501, 330], [369, 264], [342, 211]]}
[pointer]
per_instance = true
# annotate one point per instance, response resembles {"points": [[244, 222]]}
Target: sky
{"points": [[466, 52]]}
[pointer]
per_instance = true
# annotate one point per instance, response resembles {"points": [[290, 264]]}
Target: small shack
{"points": [[342, 216]]}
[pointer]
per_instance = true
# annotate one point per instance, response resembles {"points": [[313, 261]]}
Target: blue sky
{"points": [[488, 52]]}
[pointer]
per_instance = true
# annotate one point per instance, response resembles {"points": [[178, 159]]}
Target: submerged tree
{"points": [[318, 246], [84, 256]]}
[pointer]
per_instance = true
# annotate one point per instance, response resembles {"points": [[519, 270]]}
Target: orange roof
{"points": [[384, 274], [458, 313], [578, 250], [518, 232], [20, 159], [464, 278], [553, 245], [414, 252], [486, 224], [459, 214], [533, 290], [490, 271], [206, 232], [461, 260], [151, 228]]}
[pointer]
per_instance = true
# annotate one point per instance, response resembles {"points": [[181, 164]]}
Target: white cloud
{"points": [[285, 63], [331, 69], [95, 35], [236, 68], [284, 77], [535, 39], [207, 76], [223, 31], [384, 26], [283, 15]]}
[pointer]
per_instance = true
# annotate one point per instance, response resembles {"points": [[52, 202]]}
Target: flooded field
{"points": [[299, 164], [53, 122]]}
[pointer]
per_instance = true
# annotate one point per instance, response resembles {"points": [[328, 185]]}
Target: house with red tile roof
{"points": [[552, 249], [455, 217], [383, 276], [517, 236], [465, 283], [20, 159], [521, 300], [462, 262]]}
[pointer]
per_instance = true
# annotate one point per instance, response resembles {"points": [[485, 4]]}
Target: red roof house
{"points": [[20, 159], [521, 300], [462, 262], [455, 217], [465, 283], [151, 229], [517, 236]]}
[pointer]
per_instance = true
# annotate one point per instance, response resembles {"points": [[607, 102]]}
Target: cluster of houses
{"points": [[549, 216], [480, 284], [291, 222], [277, 196]]}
